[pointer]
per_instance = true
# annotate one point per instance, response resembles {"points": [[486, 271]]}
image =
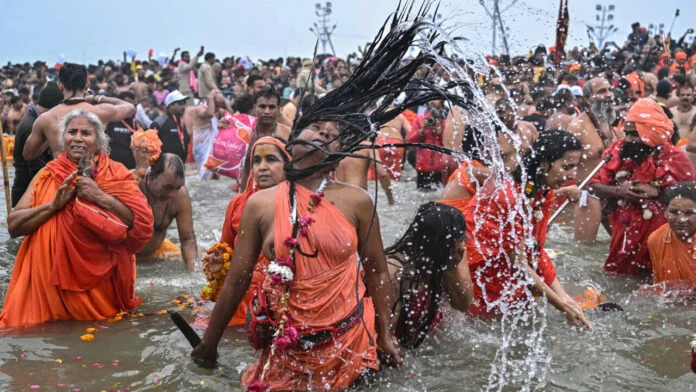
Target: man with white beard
{"points": [[594, 130]]}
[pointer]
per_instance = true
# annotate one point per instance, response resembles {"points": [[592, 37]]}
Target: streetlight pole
{"points": [[604, 27], [321, 29], [497, 22]]}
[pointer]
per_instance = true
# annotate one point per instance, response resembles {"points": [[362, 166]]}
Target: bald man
{"points": [[594, 130]]}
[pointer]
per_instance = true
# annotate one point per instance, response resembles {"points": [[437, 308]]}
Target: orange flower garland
{"points": [[216, 280]]}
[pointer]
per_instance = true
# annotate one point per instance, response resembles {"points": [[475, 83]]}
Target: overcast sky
{"points": [[86, 30]]}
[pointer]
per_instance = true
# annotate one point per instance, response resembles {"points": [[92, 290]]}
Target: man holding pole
{"points": [[642, 165]]}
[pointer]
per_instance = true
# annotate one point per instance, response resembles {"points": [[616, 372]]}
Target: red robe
{"points": [[492, 236], [64, 271], [628, 252]]}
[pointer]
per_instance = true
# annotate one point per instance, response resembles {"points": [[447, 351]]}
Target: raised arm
{"points": [[37, 141], [379, 284], [237, 282], [110, 109], [184, 223]]}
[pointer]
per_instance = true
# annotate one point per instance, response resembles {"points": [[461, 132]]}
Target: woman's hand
{"points": [[212, 263], [142, 158], [574, 313], [65, 193], [205, 355], [88, 190], [388, 350], [571, 193]]}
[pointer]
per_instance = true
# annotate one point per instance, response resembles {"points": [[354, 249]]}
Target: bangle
{"points": [[100, 99]]}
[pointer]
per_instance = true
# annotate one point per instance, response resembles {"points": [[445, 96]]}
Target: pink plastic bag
{"points": [[230, 147]]}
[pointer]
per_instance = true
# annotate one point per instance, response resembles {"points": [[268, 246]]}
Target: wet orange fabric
{"points": [[492, 235], [391, 157], [62, 270], [230, 229], [462, 176], [673, 260], [652, 124], [322, 293]]}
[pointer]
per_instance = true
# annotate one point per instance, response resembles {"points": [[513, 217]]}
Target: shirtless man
{"points": [[164, 187], [593, 129], [524, 129], [394, 131], [266, 110], [684, 112], [353, 171], [199, 120], [17, 111], [564, 104], [73, 83]]}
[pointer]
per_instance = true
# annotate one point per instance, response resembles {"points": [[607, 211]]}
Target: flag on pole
{"points": [[561, 32]]}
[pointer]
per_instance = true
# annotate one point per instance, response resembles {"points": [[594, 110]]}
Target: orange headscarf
{"points": [[636, 83], [233, 214], [148, 141], [653, 125]]}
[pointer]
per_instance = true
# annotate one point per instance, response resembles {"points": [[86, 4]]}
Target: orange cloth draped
{"points": [[391, 157], [673, 260], [492, 236], [230, 229], [652, 124], [322, 293], [62, 270], [636, 83], [628, 253]]}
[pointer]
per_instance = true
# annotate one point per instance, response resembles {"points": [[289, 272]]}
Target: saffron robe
{"points": [[322, 293], [63, 271], [673, 260]]}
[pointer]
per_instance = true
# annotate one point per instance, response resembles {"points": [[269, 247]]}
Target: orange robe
{"points": [[673, 260], [322, 293], [492, 235], [63, 271], [230, 229], [462, 177]]}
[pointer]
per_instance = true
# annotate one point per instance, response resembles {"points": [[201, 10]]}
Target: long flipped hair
{"points": [[427, 250]]}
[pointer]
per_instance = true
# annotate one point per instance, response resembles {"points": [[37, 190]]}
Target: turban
{"points": [[680, 56], [148, 141], [652, 124], [636, 83]]}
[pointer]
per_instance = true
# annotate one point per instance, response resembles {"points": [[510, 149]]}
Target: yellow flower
{"points": [[88, 337], [91, 330]]}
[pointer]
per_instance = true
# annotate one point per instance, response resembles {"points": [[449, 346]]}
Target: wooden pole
{"points": [[5, 174]]}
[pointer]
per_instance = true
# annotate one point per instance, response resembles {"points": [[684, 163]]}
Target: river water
{"points": [[644, 348]]}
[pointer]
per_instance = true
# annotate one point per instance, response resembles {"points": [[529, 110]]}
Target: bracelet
{"points": [[100, 99]]}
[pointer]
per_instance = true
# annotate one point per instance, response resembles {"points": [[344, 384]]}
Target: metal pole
{"points": [[581, 186], [495, 6]]}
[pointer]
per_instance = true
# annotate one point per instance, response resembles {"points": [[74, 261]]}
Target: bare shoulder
{"points": [[283, 131], [262, 199], [576, 126]]}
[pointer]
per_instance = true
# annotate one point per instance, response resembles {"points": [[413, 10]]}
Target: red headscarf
{"points": [[653, 125]]}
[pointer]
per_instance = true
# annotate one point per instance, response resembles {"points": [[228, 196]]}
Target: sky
{"points": [[84, 31]]}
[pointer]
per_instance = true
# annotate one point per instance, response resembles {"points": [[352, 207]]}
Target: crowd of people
{"points": [[100, 156]]}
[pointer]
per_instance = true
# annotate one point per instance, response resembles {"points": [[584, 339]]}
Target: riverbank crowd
{"points": [[101, 154]]}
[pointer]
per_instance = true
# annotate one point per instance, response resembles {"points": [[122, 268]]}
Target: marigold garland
{"points": [[216, 280]]}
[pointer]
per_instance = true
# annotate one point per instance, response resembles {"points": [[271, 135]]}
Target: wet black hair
{"points": [[562, 97], [166, 161], [125, 95], [209, 55], [73, 77], [426, 251], [252, 79], [551, 146], [664, 87], [244, 104], [662, 73], [684, 190], [267, 92]]}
